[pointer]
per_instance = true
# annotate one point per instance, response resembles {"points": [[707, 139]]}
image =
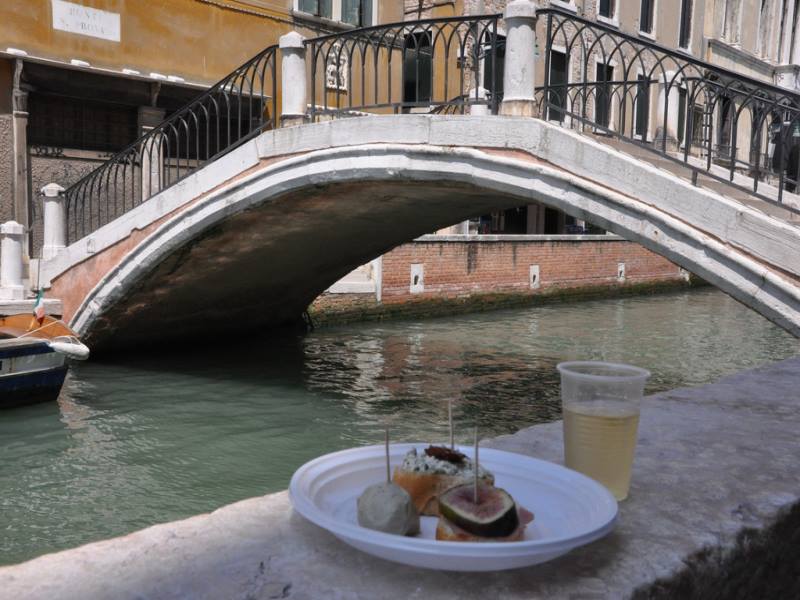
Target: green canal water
{"points": [[156, 438]]}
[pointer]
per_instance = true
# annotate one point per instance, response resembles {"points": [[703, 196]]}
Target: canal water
{"points": [[150, 439]]}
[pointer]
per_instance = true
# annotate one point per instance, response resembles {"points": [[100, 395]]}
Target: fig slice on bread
{"points": [[494, 515], [494, 518]]}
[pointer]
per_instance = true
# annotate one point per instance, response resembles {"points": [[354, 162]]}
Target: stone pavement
{"points": [[710, 461]]}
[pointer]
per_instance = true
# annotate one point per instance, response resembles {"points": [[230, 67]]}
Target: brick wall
{"points": [[459, 271]]}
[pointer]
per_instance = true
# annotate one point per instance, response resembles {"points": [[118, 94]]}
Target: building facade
{"points": [[82, 79]]}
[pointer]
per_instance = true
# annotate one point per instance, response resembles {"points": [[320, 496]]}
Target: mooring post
{"points": [[12, 237], [55, 221], [519, 86], [293, 79]]}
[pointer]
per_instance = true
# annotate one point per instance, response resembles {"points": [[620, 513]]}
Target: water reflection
{"points": [[153, 438]]}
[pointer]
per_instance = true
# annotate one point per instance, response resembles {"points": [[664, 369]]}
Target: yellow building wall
{"points": [[199, 40]]}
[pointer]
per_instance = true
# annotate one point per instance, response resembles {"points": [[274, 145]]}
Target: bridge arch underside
{"points": [[254, 255]]}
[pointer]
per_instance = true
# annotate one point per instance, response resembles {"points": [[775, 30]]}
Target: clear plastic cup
{"points": [[601, 403]]}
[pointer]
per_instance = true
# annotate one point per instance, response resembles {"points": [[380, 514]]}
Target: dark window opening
{"points": [[606, 8], [686, 23], [725, 139], [491, 82], [557, 96], [646, 18], [642, 105], [417, 69], [552, 219], [80, 124], [602, 101], [319, 8]]}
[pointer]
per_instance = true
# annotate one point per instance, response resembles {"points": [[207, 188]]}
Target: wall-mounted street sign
{"points": [[83, 20]]}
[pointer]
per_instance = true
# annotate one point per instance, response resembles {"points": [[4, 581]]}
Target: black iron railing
{"points": [[712, 120], [596, 78], [419, 66], [234, 110]]}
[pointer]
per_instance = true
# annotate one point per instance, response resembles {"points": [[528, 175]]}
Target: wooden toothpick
{"points": [[388, 471], [450, 420], [475, 466]]}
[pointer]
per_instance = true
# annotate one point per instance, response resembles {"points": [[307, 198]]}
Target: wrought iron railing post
{"points": [[293, 79], [519, 84]]}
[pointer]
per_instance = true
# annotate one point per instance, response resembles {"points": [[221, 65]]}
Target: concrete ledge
{"points": [[711, 460], [518, 238], [9, 307]]}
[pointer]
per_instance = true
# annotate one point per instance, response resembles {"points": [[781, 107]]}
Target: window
{"points": [[725, 139], [417, 69], [318, 8], [80, 124], [685, 37], [602, 99], [606, 8], [646, 18], [642, 106], [355, 12], [557, 97]]}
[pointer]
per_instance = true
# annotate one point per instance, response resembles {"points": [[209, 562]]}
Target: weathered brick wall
{"points": [[456, 269], [498, 273]]}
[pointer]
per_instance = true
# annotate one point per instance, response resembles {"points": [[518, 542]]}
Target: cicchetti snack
{"points": [[429, 474], [495, 517]]}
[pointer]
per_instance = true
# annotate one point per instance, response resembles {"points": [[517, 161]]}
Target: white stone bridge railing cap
{"points": [[52, 190], [291, 40], [521, 9], [12, 228]]}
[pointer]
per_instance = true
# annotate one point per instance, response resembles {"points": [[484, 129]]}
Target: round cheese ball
{"points": [[388, 508]]}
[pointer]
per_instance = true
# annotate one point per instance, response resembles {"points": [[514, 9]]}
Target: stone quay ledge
{"points": [[711, 460]]}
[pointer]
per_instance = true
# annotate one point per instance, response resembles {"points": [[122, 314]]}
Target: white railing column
{"points": [[293, 79], [55, 221], [519, 84], [479, 109], [12, 237]]}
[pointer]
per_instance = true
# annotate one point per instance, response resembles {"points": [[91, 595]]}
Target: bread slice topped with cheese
{"points": [[428, 474]]}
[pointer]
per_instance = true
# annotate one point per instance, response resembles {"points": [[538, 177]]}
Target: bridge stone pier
{"points": [[248, 241]]}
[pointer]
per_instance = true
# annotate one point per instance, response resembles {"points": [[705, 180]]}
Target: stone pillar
{"points": [[12, 241], [20, 152], [518, 78], [671, 131], [788, 28], [152, 151], [293, 79], [55, 221], [794, 57]]}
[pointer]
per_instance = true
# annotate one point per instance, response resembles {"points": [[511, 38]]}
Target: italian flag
{"points": [[38, 307]]}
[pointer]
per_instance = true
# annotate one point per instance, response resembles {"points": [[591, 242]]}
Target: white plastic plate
{"points": [[570, 509]]}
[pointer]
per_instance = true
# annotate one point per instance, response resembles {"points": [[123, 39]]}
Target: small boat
{"points": [[33, 357]]}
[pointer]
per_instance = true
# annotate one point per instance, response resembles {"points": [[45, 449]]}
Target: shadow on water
{"points": [[150, 437]]}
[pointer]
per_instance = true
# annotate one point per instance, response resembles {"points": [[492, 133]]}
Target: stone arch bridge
{"points": [[251, 239], [220, 221]]}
